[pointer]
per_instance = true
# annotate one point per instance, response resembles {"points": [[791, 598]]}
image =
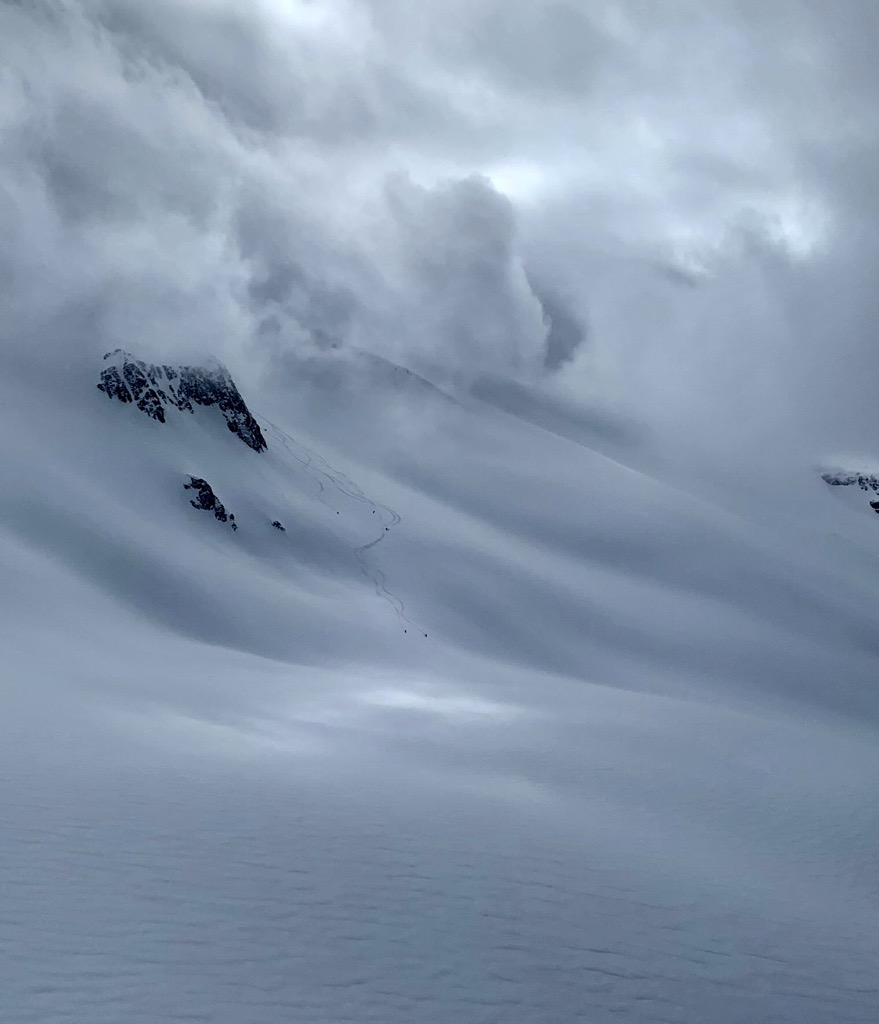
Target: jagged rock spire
{"points": [[153, 388]]}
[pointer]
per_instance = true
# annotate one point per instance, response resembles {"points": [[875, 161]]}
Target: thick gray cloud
{"points": [[565, 332], [695, 179]]}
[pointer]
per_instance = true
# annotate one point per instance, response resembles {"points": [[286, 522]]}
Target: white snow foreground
{"points": [[499, 728]]}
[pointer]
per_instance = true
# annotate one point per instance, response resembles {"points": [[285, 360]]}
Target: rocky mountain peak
{"points": [[156, 387]]}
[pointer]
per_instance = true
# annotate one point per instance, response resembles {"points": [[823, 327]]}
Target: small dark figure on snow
{"points": [[277, 526]]}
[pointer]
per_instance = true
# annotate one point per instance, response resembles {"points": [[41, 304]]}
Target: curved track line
{"points": [[305, 460], [317, 467]]}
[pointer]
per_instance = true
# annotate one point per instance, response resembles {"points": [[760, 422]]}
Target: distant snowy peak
{"points": [[846, 478], [153, 388]]}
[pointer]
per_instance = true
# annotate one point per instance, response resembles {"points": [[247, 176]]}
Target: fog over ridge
{"points": [[691, 181]]}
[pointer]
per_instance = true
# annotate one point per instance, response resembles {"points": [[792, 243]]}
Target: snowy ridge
{"points": [[155, 387], [847, 478], [844, 478]]}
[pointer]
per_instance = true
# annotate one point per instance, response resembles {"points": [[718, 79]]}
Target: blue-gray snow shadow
{"points": [[254, 901], [562, 557], [598, 429], [105, 498], [201, 604]]}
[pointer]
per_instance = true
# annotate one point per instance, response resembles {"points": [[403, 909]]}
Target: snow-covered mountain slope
{"points": [[507, 723]]}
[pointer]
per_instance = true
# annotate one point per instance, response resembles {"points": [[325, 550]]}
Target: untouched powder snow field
{"points": [[511, 724]]}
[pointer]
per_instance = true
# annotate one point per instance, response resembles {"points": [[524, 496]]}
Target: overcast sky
{"points": [[666, 205]]}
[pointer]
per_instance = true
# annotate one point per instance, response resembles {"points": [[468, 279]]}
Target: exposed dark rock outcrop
{"points": [[153, 388], [208, 501], [866, 482], [277, 525], [841, 478]]}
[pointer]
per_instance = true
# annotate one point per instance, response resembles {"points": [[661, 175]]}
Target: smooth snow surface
{"points": [[510, 725]]}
